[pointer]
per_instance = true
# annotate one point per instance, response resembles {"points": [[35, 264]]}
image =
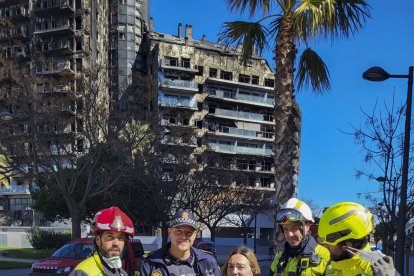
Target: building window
{"points": [[269, 83], [185, 62], [212, 73], [255, 80], [265, 182], [266, 166], [244, 78], [172, 61], [200, 70], [226, 75], [242, 164]]}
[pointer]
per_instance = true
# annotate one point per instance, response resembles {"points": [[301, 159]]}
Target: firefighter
{"points": [[345, 230], [302, 255], [179, 257], [112, 229]]}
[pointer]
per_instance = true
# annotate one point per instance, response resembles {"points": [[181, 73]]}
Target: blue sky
{"points": [[328, 157]]}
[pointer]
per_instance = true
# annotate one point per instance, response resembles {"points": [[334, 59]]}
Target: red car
{"points": [[69, 255]]}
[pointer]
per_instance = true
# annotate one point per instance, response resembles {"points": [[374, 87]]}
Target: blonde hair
{"points": [[249, 254]]}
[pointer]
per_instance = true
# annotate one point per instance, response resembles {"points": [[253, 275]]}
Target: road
{"points": [[15, 272]]}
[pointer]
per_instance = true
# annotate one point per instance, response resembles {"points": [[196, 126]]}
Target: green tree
{"points": [[288, 24]]}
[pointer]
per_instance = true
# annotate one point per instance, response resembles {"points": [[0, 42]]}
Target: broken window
{"points": [[244, 78], [200, 70], [212, 73], [269, 83], [226, 75], [185, 62], [172, 61], [255, 80]]}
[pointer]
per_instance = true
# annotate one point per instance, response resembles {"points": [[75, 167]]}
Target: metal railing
{"points": [[239, 114], [239, 149], [180, 84], [238, 96]]}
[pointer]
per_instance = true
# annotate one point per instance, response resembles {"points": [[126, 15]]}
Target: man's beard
{"points": [[105, 252]]}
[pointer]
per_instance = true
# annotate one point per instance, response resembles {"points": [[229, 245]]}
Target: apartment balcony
{"points": [[45, 30], [55, 7], [58, 89], [242, 133], [63, 70], [167, 65], [179, 85], [234, 149], [177, 103], [55, 48], [237, 97], [239, 84], [243, 115], [15, 36], [15, 189], [4, 3], [16, 15]]}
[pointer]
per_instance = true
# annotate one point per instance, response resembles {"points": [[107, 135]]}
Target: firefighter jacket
{"points": [[93, 266], [312, 260], [351, 267]]}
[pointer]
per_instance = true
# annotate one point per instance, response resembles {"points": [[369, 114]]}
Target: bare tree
{"points": [[381, 140], [59, 133], [254, 203]]}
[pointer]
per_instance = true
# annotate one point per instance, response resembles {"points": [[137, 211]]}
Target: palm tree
{"points": [[288, 24]]}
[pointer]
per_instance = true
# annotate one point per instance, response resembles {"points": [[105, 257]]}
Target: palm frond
{"points": [[252, 35], [350, 17], [274, 27], [251, 5], [335, 18], [312, 72]]}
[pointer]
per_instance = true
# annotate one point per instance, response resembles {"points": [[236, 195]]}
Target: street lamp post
{"points": [[379, 74]]}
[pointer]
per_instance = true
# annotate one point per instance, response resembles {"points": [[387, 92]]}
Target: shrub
{"points": [[42, 239]]}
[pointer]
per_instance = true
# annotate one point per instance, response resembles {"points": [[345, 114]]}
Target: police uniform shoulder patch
{"points": [[156, 273]]}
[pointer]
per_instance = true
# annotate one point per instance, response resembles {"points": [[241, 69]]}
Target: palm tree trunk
{"points": [[286, 151]]}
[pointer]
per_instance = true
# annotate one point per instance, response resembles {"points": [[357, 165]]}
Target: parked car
{"points": [[64, 260], [207, 246]]}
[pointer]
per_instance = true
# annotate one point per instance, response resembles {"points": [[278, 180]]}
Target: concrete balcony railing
{"points": [[244, 132], [63, 47], [179, 84], [176, 102], [239, 114], [238, 149], [53, 7], [15, 189], [241, 97]]}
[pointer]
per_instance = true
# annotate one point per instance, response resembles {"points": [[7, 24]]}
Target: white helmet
{"points": [[294, 210]]}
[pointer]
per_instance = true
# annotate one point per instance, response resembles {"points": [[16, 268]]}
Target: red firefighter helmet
{"points": [[112, 219]]}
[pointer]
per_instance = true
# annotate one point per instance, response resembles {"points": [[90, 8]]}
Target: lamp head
{"points": [[6, 116], [375, 73]]}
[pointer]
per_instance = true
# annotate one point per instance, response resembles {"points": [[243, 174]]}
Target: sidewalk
{"points": [[17, 260]]}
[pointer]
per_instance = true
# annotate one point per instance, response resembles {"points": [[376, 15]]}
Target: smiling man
{"points": [[112, 228], [179, 257], [302, 255]]}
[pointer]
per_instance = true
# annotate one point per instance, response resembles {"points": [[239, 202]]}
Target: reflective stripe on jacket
{"points": [[309, 265], [351, 267], [92, 266]]}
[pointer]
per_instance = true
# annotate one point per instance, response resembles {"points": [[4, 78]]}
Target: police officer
{"points": [[111, 228], [345, 230], [302, 255], [180, 257]]}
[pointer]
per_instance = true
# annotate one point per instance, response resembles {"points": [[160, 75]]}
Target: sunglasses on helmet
{"points": [[288, 216]]}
